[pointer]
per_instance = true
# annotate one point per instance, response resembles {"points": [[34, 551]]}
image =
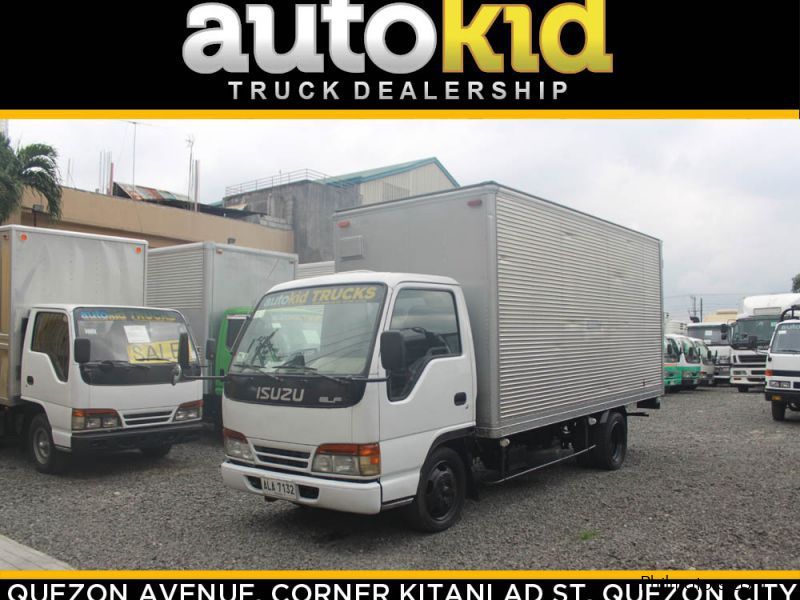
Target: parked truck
{"points": [[467, 336], [782, 388], [673, 378], [215, 286], [716, 336], [751, 335], [688, 361], [84, 367]]}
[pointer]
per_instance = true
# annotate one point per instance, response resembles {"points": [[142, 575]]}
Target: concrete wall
{"points": [[309, 206], [159, 225]]}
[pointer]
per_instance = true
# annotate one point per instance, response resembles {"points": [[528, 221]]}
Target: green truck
{"points": [[673, 379], [688, 361]]}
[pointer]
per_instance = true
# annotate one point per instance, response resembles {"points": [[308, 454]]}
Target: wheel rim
{"points": [[617, 443], [441, 491], [41, 446]]}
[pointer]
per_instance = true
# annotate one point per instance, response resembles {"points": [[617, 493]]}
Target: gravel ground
{"points": [[710, 482]]}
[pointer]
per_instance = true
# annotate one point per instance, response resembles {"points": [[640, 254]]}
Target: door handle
{"points": [[29, 380], [460, 399]]}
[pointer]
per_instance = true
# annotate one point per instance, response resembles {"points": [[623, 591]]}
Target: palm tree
{"points": [[32, 166]]}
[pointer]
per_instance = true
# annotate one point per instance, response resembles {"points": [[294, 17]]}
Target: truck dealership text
{"points": [[406, 591]]}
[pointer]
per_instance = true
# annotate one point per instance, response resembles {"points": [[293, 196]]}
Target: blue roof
{"points": [[381, 172]]}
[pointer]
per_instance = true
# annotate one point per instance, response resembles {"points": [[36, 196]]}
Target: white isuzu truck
{"points": [[783, 365], [467, 336], [84, 367], [751, 335]]}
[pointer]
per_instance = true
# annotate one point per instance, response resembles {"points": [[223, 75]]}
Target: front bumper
{"points": [[132, 438], [345, 496], [781, 395]]}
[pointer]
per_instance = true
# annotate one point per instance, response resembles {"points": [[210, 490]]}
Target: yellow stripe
{"points": [[392, 114], [366, 575]]}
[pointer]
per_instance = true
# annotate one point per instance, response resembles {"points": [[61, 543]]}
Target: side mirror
{"points": [[177, 374], [393, 351], [724, 329], [82, 350], [183, 351], [211, 349]]}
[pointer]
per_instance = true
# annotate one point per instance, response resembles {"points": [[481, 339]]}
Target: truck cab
{"points": [[707, 362], [750, 338], [100, 378], [782, 388], [716, 337], [688, 361], [672, 374], [340, 385]]}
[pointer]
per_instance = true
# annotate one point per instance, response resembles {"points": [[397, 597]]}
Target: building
{"points": [[163, 223], [306, 200]]}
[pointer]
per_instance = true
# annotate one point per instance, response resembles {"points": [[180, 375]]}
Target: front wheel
{"points": [[441, 492], [778, 411], [41, 448], [156, 451]]}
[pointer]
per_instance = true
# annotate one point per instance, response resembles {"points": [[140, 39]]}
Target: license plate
{"points": [[279, 489]]}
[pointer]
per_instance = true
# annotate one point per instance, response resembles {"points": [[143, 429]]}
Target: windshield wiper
{"points": [[255, 369], [313, 371]]}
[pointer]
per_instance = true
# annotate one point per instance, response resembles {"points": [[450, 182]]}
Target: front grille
{"points": [[752, 359], [150, 418], [296, 459]]}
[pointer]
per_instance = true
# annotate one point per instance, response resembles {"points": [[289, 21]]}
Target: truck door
{"points": [[433, 393], [45, 367]]}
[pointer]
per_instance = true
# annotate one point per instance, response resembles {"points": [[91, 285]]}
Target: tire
{"points": [[441, 492], [46, 457], [743, 388], [156, 451], [778, 411], [611, 442]]}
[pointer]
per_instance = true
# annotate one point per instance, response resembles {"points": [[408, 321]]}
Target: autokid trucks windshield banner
{"points": [[408, 589], [440, 55]]}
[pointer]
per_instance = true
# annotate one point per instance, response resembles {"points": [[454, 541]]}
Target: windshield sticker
{"points": [[166, 351], [105, 315], [789, 326], [88, 331], [137, 334], [331, 295], [781, 332]]}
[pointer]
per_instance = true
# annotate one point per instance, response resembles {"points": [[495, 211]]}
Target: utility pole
{"points": [[701, 309]]}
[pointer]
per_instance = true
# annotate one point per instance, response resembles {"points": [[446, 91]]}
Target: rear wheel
{"points": [[46, 457], [611, 442], [441, 492], [743, 388], [778, 411], [156, 451]]}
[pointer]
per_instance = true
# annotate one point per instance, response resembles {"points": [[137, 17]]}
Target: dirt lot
{"points": [[710, 482]]}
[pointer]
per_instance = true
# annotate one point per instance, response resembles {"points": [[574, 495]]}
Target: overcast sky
{"points": [[722, 195]]}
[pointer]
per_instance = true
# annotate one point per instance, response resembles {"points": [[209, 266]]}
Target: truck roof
{"points": [[391, 279], [67, 233], [69, 307]]}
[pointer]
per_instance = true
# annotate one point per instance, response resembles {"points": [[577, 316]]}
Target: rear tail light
{"points": [[89, 419], [236, 445], [348, 459]]}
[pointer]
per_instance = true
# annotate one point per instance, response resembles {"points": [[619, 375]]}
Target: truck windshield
{"points": [[690, 351], [759, 327], [710, 334], [787, 339], [329, 330], [131, 335], [670, 350]]}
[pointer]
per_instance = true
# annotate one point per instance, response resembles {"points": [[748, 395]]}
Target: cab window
{"points": [[234, 327], [51, 337], [429, 324]]}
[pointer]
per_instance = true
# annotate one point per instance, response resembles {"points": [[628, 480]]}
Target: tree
{"points": [[32, 166], [796, 284]]}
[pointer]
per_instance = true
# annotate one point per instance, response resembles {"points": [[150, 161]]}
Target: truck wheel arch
{"points": [[461, 441]]}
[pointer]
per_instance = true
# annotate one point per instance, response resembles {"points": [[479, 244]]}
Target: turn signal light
{"points": [[236, 445], [769, 373]]}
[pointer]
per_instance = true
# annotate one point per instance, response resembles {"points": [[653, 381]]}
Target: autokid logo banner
{"points": [[450, 52]]}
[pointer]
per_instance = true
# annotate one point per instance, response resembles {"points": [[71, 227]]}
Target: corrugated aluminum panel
{"points": [[315, 269], [579, 313], [175, 279]]}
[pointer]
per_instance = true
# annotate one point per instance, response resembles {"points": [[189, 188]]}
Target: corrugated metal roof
{"points": [[381, 172], [141, 192]]}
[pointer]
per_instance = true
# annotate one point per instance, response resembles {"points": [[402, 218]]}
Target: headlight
{"points": [[777, 383], [84, 419], [348, 459], [237, 446], [189, 411]]}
